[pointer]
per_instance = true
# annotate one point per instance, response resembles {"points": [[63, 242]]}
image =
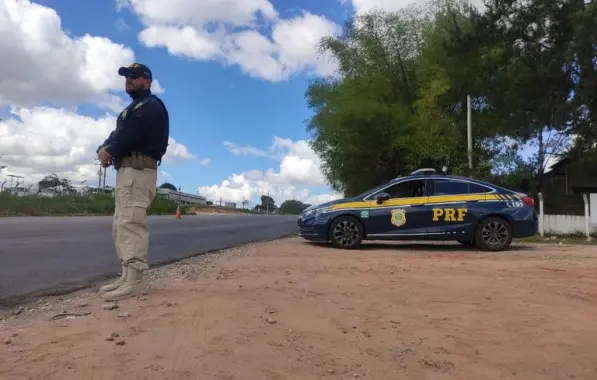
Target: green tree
{"points": [[529, 65], [168, 185], [292, 207], [382, 116], [267, 204], [364, 120], [452, 68], [49, 181], [582, 58]]}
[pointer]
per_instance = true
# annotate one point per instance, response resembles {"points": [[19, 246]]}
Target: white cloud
{"points": [[121, 25], [299, 171], [42, 140], [229, 31], [165, 175], [41, 64], [199, 13], [184, 41], [363, 6], [322, 198], [121, 4], [299, 163], [246, 150], [39, 141], [179, 152]]}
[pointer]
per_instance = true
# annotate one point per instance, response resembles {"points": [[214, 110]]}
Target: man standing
{"points": [[135, 148]]}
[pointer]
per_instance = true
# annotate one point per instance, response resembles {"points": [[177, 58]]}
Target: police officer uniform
{"points": [[137, 146]]}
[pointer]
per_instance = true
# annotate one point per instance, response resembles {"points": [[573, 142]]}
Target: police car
{"points": [[425, 205]]}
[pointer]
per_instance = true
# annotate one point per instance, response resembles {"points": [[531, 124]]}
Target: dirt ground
{"points": [[291, 310]]}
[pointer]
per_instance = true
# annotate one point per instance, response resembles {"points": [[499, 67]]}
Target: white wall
{"points": [[570, 224], [565, 224]]}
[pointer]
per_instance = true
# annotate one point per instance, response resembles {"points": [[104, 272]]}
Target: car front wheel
{"points": [[346, 232], [493, 234]]}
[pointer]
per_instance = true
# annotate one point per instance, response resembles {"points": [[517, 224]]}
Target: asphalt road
{"points": [[53, 255]]}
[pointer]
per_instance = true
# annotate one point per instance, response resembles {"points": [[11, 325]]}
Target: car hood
{"points": [[328, 204]]}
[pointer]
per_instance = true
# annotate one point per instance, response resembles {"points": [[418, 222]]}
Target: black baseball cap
{"points": [[137, 69]]}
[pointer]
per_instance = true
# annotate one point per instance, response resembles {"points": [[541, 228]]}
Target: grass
{"points": [[233, 209], [77, 205]]}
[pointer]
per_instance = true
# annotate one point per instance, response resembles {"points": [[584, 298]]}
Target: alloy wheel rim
{"points": [[494, 234], [346, 233]]}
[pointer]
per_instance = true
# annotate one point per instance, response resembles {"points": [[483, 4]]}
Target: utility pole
{"points": [[104, 184], [469, 130]]}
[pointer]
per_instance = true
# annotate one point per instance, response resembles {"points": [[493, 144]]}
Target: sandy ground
{"points": [[290, 310]]}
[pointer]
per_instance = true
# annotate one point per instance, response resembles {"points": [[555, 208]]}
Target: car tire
{"points": [[493, 234], [346, 232]]}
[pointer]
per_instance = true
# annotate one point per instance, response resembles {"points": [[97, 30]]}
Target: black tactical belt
{"points": [[137, 161]]}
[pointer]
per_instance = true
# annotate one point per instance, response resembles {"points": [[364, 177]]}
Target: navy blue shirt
{"points": [[143, 126]]}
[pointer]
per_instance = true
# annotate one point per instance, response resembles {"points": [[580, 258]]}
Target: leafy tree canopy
{"points": [[399, 99], [168, 185], [292, 207]]}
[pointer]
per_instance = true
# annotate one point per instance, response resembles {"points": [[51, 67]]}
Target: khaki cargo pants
{"points": [[135, 190]]}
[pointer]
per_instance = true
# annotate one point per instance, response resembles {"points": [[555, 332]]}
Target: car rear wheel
{"points": [[493, 234], [346, 232]]}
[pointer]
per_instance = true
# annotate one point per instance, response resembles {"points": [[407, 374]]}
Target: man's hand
{"points": [[104, 157]]}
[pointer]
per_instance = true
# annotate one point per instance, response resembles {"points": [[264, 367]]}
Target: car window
{"points": [[452, 187], [373, 191], [476, 189], [407, 189]]}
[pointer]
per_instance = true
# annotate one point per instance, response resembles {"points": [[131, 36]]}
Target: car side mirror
{"points": [[381, 197]]}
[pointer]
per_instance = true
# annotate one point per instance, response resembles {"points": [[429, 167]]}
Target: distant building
{"points": [[567, 177], [184, 198], [95, 190], [230, 204]]}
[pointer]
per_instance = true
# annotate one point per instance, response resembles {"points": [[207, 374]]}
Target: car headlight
{"points": [[314, 213]]}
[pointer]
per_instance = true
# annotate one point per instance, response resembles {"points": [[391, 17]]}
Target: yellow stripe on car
{"points": [[415, 201]]}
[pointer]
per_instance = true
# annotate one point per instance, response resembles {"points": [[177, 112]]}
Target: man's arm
{"points": [[106, 142], [134, 129]]}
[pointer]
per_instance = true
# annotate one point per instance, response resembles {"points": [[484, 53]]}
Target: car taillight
{"points": [[529, 201]]}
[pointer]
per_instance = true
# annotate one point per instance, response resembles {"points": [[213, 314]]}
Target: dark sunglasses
{"points": [[135, 76]]}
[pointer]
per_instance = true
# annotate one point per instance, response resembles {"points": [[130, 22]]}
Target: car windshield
{"points": [[373, 190]]}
